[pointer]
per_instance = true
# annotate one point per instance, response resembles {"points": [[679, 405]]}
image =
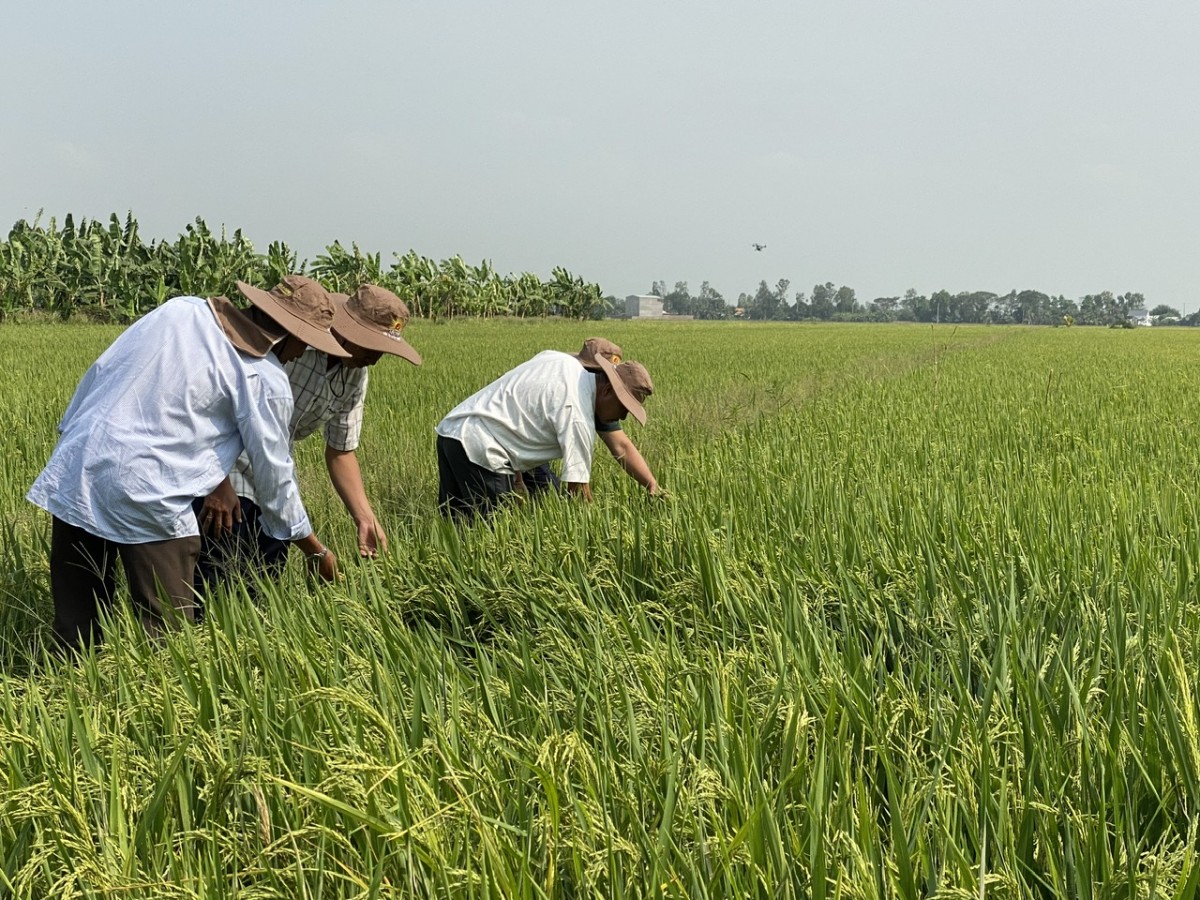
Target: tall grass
{"points": [[918, 617]]}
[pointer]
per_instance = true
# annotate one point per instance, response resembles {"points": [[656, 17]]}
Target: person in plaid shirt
{"points": [[329, 395]]}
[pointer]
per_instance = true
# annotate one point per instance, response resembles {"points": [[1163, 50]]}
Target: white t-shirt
{"points": [[543, 409]]}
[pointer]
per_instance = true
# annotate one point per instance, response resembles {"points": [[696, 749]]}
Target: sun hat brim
{"points": [[317, 338], [367, 337], [623, 393]]}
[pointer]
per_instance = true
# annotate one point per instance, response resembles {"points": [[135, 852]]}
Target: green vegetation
{"points": [[920, 617], [107, 273], [841, 304]]}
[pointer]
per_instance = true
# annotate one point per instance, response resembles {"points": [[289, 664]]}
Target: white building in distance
{"points": [[643, 306]]}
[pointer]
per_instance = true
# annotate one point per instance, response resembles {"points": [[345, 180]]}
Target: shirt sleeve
{"points": [[263, 422], [607, 427], [343, 428], [576, 437]]}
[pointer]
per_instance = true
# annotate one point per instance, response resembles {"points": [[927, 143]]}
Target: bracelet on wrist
{"points": [[319, 555]]}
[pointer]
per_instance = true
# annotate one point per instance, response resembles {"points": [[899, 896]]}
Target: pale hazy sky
{"points": [[930, 144]]}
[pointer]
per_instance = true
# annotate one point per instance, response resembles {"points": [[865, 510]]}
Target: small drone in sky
{"points": [[759, 246]]}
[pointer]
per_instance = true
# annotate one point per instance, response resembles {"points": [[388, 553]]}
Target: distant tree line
{"points": [[106, 271], [840, 304]]}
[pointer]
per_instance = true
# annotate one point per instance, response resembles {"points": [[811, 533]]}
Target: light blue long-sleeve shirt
{"points": [[158, 420]]}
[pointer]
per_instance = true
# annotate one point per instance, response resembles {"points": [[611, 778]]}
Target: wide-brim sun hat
{"points": [[374, 318], [598, 346], [628, 379], [302, 307]]}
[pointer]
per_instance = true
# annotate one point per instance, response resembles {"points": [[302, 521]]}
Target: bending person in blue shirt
{"points": [[158, 420]]}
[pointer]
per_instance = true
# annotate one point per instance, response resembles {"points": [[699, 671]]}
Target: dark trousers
{"points": [[540, 481], [83, 581], [466, 490], [242, 553]]}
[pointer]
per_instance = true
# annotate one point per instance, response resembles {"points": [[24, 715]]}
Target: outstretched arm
{"points": [[346, 476], [630, 459]]}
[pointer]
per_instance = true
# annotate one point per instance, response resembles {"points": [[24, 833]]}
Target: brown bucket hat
{"points": [[301, 306], [374, 318], [598, 346], [631, 382]]}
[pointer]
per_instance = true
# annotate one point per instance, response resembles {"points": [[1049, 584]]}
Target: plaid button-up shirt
{"points": [[324, 396]]}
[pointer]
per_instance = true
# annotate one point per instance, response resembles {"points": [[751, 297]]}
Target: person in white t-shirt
{"points": [[544, 409], [537, 482]]}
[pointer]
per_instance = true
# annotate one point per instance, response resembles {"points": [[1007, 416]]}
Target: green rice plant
{"points": [[917, 617]]}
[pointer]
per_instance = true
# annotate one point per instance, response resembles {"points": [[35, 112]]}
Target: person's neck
{"points": [[276, 331]]}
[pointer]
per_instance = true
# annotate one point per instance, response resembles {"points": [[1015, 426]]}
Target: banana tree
{"points": [[343, 271], [105, 270]]}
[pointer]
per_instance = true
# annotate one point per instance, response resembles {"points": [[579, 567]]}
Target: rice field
{"points": [[918, 617]]}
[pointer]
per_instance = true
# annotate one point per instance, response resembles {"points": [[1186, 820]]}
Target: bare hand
{"points": [[371, 539], [221, 509], [580, 489], [323, 565]]}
